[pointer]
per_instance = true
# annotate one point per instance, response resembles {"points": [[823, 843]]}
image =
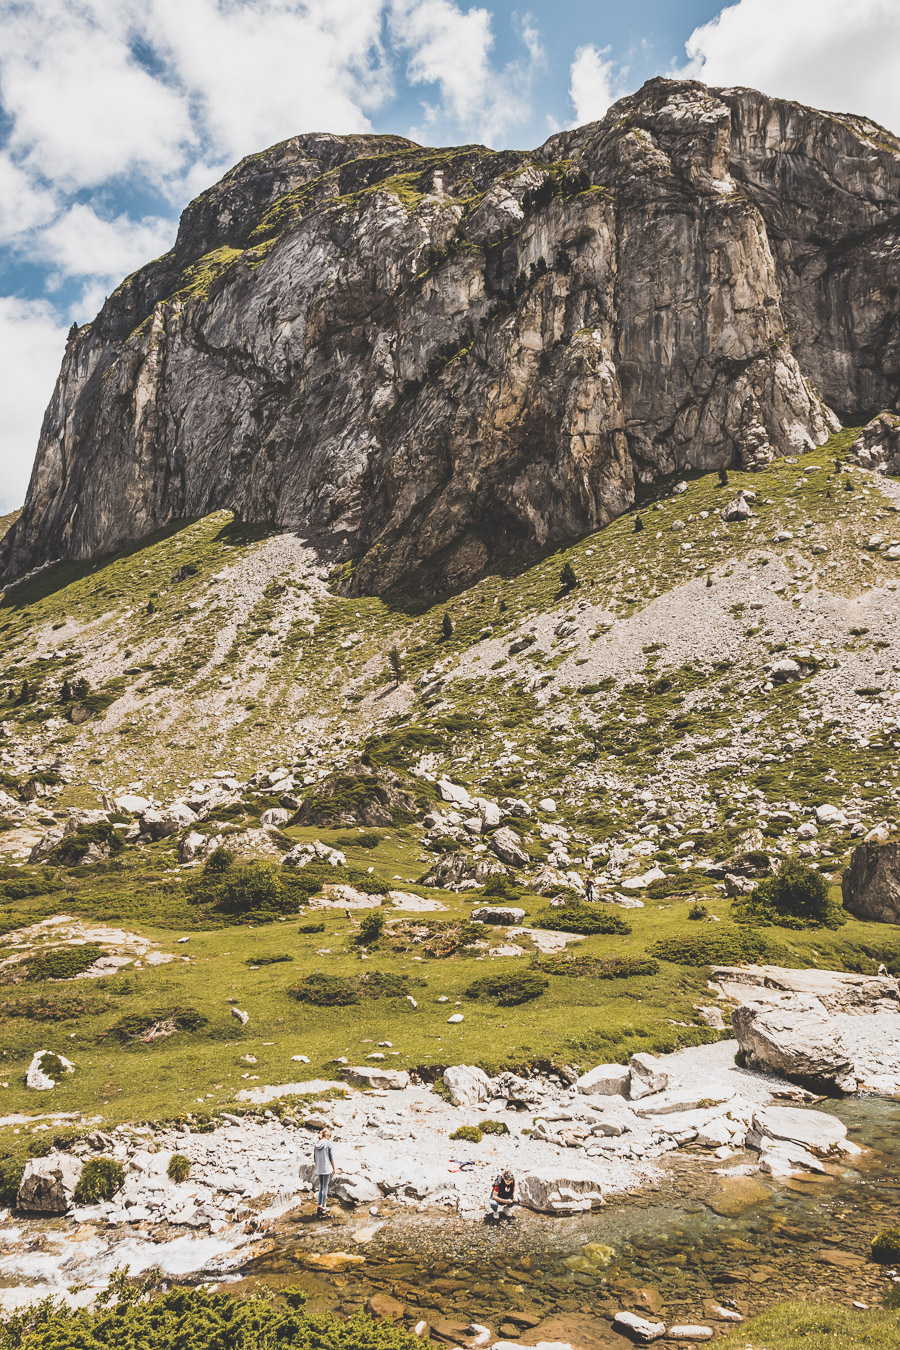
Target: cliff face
{"points": [[435, 357]]}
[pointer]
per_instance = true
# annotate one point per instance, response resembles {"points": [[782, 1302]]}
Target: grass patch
{"points": [[811, 1326]]}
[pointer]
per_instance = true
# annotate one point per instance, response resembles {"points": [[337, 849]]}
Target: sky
{"points": [[116, 113]]}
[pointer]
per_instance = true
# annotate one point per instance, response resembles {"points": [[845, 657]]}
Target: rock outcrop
{"points": [[871, 884], [432, 358], [826, 1030], [48, 1184]]}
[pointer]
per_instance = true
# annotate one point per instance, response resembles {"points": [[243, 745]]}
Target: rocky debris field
{"points": [[572, 1147]]}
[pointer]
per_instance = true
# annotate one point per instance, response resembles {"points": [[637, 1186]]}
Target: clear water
{"points": [[672, 1253]]}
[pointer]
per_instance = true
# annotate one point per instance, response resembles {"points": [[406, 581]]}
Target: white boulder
{"points": [[48, 1184], [39, 1074], [467, 1084], [606, 1080]]}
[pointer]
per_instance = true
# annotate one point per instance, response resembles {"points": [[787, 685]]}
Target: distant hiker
{"points": [[503, 1196], [589, 893], [324, 1160]]}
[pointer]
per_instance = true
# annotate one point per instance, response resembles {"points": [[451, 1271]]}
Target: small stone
{"points": [[240, 1016], [455, 1017], [638, 1328], [690, 1333]]}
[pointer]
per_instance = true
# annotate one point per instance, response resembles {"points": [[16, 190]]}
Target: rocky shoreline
{"points": [[571, 1146]]}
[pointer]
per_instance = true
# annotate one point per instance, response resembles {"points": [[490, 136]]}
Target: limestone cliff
{"points": [[435, 357]]}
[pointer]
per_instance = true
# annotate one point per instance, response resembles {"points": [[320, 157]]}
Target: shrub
{"points": [[795, 897], [63, 963], [585, 919], [600, 967], [179, 1168], [11, 1171], [367, 839], [470, 1133], [509, 990], [698, 911], [886, 1247], [267, 960], [503, 888], [335, 991], [157, 1024], [371, 927], [99, 1180], [723, 946], [493, 1127], [69, 852], [195, 1319], [568, 579], [311, 928]]}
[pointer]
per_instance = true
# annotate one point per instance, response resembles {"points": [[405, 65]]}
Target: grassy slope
{"points": [[289, 643]]}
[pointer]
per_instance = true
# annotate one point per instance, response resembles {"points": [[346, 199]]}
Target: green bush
{"points": [[335, 991], [585, 919], [157, 1024], [71, 851], [599, 967], [99, 1180], [371, 927], [723, 946], [179, 1168], [62, 963], [11, 1170], [267, 960], [509, 990], [698, 911], [886, 1247], [194, 1319], [503, 888], [795, 897], [470, 1133], [311, 928], [493, 1127], [366, 839]]}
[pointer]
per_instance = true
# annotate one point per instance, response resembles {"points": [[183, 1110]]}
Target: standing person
{"points": [[589, 890], [503, 1196], [324, 1160]]}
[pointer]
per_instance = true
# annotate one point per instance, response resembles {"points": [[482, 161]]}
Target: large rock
{"points": [[507, 845], [559, 1190], [878, 444], [46, 1070], [510, 391], [503, 915], [606, 1080], [647, 1076], [159, 824], [48, 1184], [815, 1131], [871, 884], [467, 1084], [368, 1076], [796, 1041]]}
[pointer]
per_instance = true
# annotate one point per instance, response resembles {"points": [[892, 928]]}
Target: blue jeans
{"points": [[324, 1182]]}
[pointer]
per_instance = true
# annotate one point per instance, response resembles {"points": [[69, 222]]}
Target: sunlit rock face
{"points": [[434, 358]]}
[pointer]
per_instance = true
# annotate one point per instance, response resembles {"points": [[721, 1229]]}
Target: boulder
{"points": [[498, 914], [815, 1131], [785, 669], [871, 884], [159, 824], [467, 1085], [638, 1328], [190, 846], [514, 806], [356, 1190], [452, 792], [737, 509], [48, 1184], [46, 1070], [554, 1190], [507, 845], [646, 1076], [369, 1076], [690, 1332], [385, 1307], [606, 1080], [276, 815], [240, 1016], [795, 1041], [131, 802]]}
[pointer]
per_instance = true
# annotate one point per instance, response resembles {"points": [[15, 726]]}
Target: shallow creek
{"points": [[693, 1238]]}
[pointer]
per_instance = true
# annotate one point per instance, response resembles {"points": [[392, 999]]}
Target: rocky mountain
{"points": [[435, 358]]}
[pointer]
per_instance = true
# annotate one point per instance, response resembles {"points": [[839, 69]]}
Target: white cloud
{"points": [[594, 83], [451, 48], [24, 205], [82, 106], [840, 55], [32, 341], [80, 243]]}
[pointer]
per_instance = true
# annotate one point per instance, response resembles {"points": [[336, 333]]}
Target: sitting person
{"points": [[503, 1196]]}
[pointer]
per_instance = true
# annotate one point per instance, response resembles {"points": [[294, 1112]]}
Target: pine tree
{"points": [[567, 578], [65, 693], [80, 688], [723, 477], [26, 693], [638, 524], [447, 626], [395, 661]]}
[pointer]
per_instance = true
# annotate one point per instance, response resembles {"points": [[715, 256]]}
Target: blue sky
{"points": [[115, 113]]}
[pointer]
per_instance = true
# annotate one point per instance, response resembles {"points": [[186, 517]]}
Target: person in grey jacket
{"points": [[324, 1160]]}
